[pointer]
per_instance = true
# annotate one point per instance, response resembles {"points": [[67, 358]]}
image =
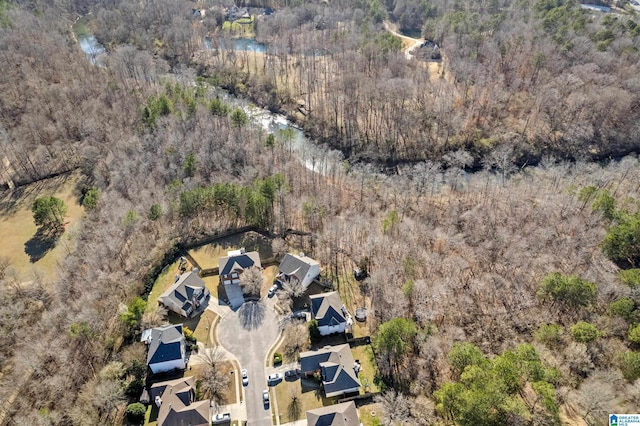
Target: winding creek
{"points": [[315, 158]]}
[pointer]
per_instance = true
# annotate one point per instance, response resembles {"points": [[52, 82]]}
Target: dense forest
{"points": [[502, 254]]}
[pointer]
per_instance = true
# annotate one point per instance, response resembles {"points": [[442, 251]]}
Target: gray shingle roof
{"points": [[344, 414], [336, 364], [326, 308], [178, 407], [297, 266], [179, 295], [165, 344]]}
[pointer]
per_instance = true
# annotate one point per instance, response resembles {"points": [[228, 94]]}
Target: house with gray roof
{"points": [[344, 414], [337, 368], [186, 295], [176, 403], [301, 268], [167, 348], [230, 267], [328, 310]]}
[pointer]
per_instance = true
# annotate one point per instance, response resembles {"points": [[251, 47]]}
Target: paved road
{"points": [[249, 333]]}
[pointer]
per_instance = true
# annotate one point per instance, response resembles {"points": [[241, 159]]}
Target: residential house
{"points": [[167, 348], [344, 414], [230, 267], [337, 368], [176, 402], [328, 310], [301, 268], [186, 295]]}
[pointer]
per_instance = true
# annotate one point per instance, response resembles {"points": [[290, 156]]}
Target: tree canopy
{"points": [[48, 213], [569, 290]]}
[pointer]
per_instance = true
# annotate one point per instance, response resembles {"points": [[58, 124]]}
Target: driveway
{"points": [[249, 333]]}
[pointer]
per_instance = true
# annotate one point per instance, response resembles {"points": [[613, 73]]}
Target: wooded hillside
{"points": [[514, 288]]}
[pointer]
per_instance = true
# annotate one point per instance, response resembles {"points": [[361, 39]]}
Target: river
{"points": [[314, 157]]}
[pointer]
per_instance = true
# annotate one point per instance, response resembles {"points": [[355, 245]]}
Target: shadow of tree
{"points": [[251, 315], [41, 243]]}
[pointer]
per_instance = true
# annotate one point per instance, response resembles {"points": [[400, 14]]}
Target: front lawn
{"points": [[309, 399]]}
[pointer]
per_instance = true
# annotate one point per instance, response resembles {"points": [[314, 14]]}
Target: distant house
{"points": [[327, 309], [302, 268], [167, 348], [186, 295], [230, 267], [344, 414], [338, 370], [176, 402]]}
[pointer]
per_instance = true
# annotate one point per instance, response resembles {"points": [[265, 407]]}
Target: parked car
{"points": [[245, 377], [289, 374], [265, 397], [299, 315], [221, 418], [274, 378], [272, 290]]}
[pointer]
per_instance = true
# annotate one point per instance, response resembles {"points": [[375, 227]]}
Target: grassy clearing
{"points": [[243, 27], [369, 369], [18, 229]]}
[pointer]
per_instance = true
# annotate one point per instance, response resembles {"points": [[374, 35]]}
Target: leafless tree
{"points": [[396, 408], [251, 280], [296, 339]]}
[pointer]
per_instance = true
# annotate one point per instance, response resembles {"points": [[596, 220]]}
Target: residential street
{"points": [[249, 333]]}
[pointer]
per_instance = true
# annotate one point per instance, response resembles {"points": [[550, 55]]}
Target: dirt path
{"points": [[410, 43]]}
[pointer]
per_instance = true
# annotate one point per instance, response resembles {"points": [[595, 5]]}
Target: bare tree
{"points": [[251, 280], [214, 383], [296, 339], [154, 318], [396, 408]]}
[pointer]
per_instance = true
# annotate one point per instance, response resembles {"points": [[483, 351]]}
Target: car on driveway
{"points": [[272, 290], [274, 378], [299, 315], [291, 374], [221, 418], [245, 377], [265, 397]]}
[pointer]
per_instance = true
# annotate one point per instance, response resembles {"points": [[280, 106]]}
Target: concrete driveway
{"points": [[249, 333]]}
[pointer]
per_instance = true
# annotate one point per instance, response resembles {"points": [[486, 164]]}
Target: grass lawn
{"points": [[207, 256], [18, 229], [165, 279], [309, 400], [370, 415], [369, 369], [243, 26]]}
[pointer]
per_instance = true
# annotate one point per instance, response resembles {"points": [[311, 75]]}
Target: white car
{"points": [[265, 397], [221, 418], [274, 378], [245, 377], [272, 290]]}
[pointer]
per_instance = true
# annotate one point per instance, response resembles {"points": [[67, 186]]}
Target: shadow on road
{"points": [[251, 315]]}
